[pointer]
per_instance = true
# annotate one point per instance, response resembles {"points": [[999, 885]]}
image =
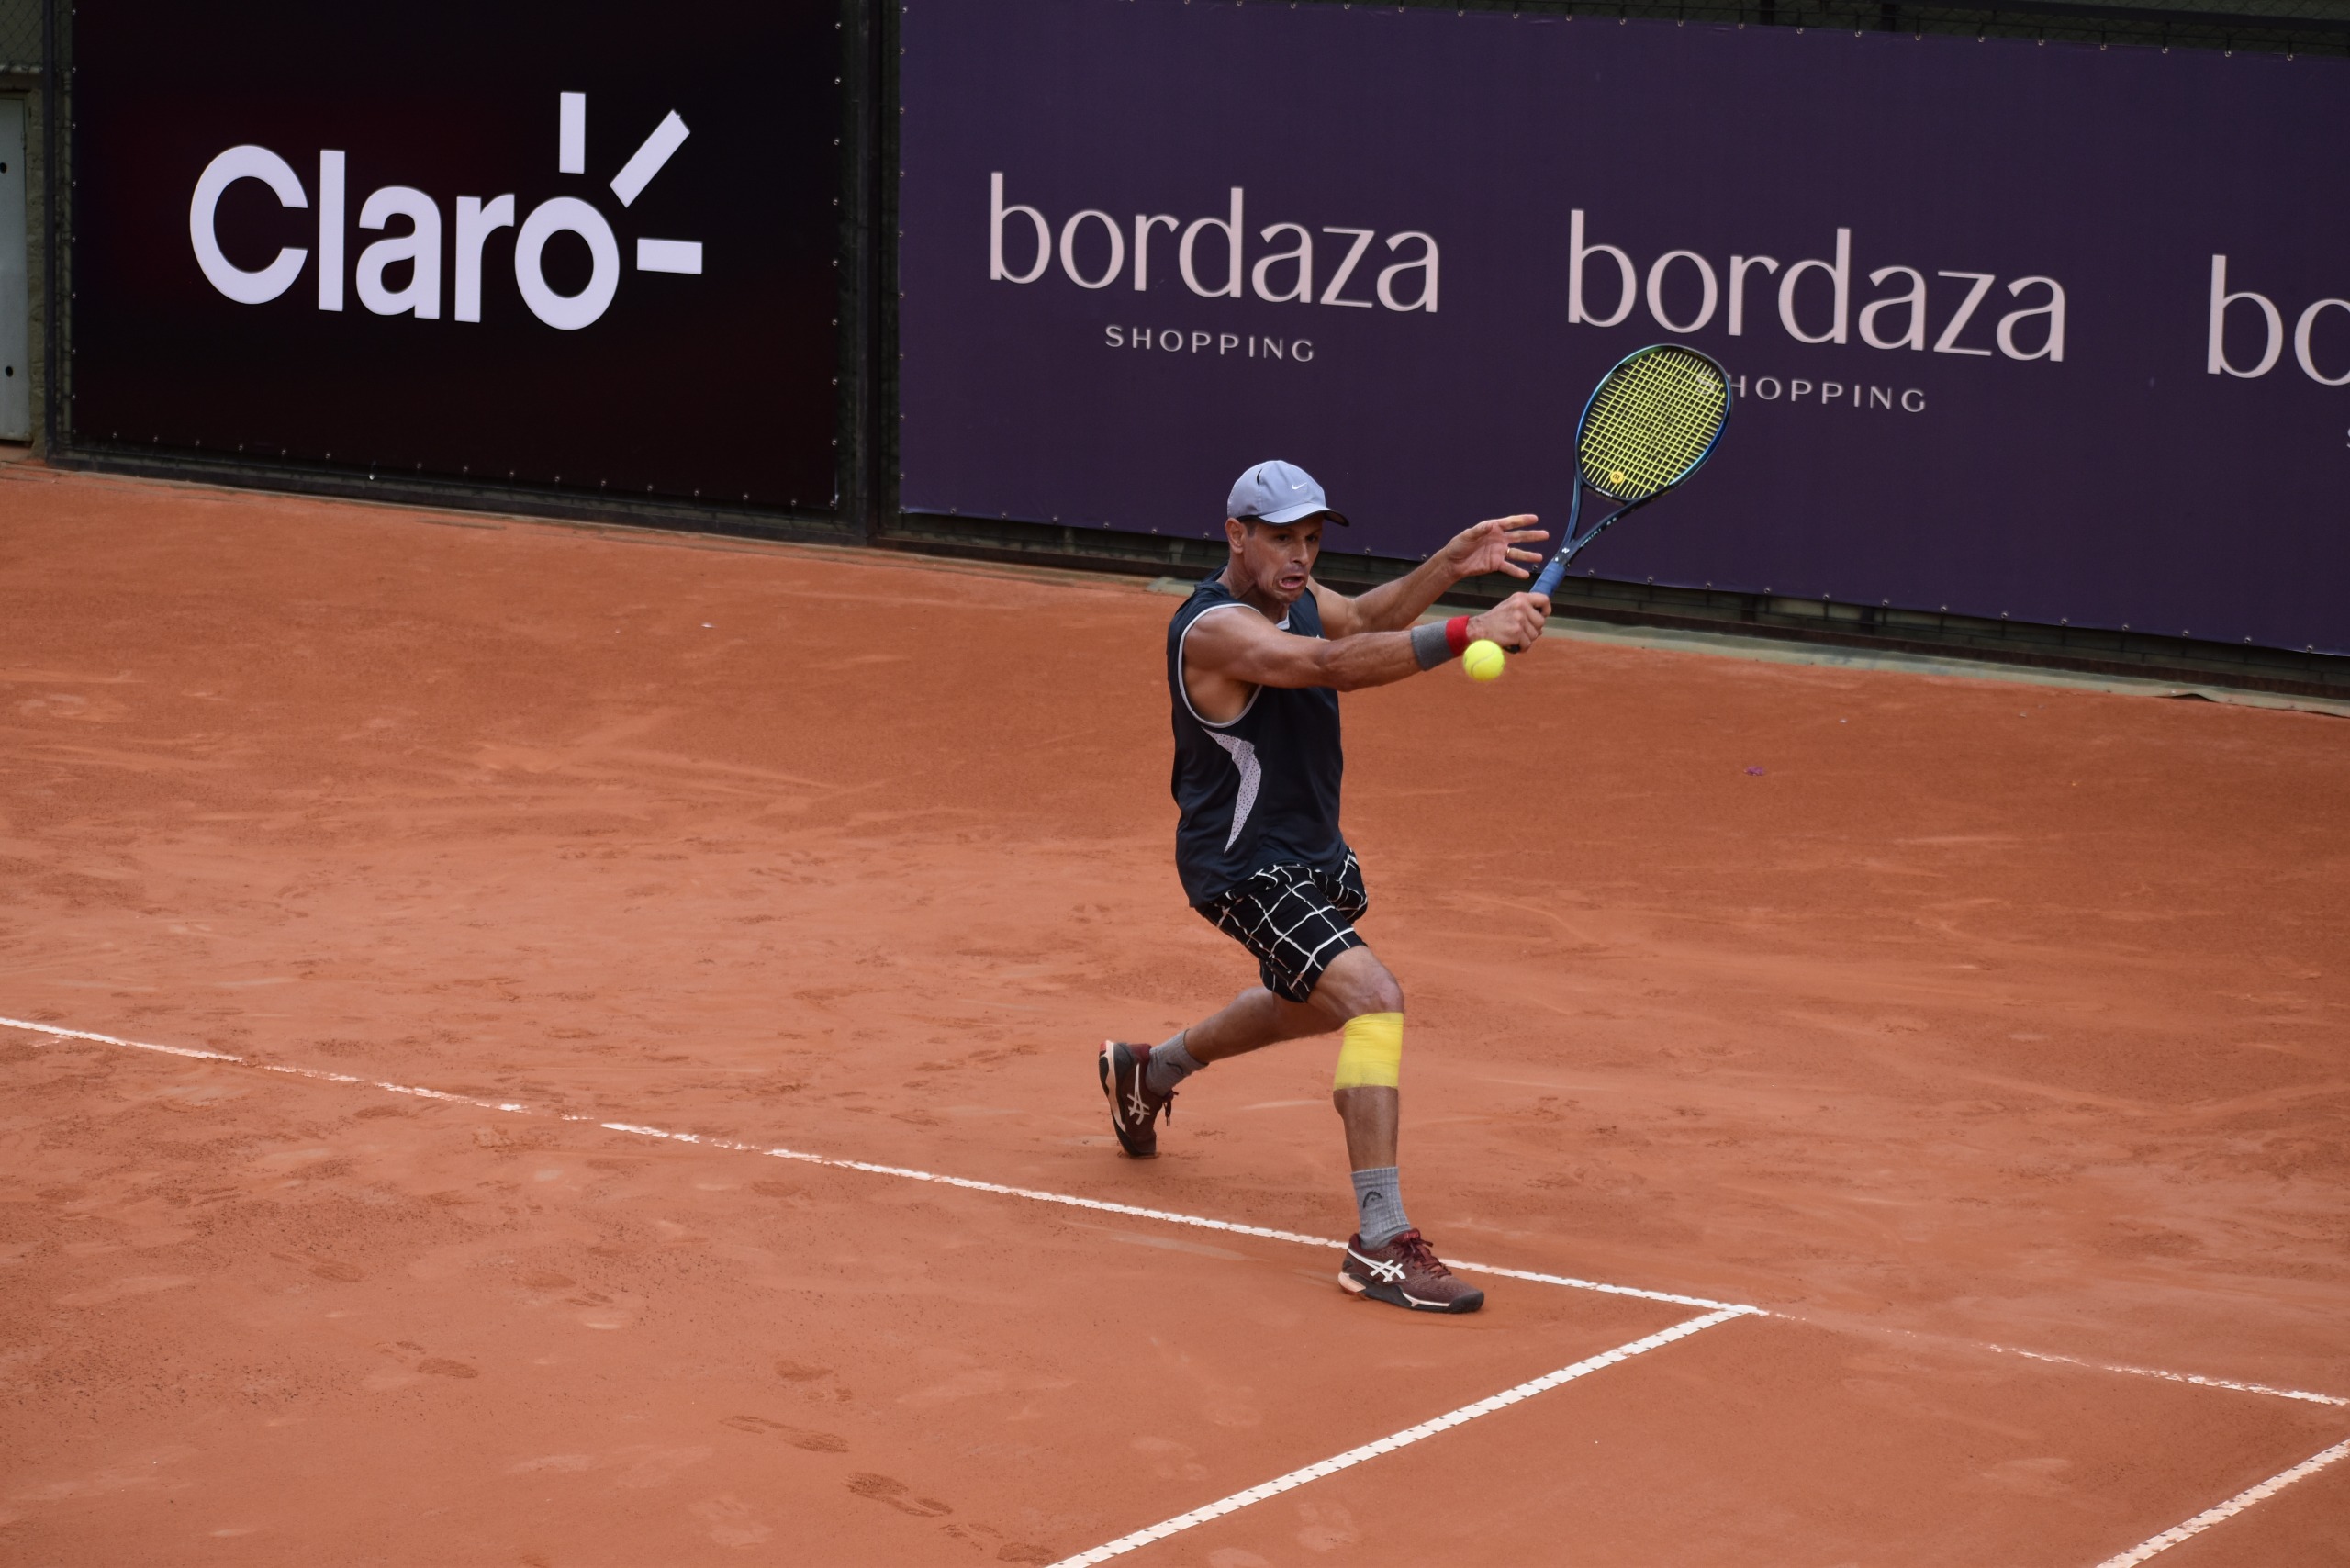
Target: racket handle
{"points": [[1546, 585]]}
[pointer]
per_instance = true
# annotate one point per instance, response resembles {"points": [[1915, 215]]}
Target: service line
{"points": [[1404, 1439], [2209, 1516]]}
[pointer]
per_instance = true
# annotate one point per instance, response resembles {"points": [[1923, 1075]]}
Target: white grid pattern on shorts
{"points": [[1283, 916]]}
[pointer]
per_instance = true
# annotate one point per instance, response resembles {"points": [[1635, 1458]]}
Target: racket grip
{"points": [[1546, 585]]}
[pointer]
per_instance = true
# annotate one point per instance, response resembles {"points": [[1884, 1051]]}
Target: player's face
{"points": [[1278, 558]]}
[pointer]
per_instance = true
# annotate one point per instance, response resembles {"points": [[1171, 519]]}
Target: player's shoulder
{"points": [[1210, 615], [1212, 589], [1205, 595]]}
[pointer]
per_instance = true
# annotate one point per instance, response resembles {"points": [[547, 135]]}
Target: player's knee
{"points": [[1370, 1049], [1357, 983], [1370, 1052], [1375, 990]]}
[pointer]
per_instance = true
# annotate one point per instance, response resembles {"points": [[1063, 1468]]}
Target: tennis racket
{"points": [[1651, 423]]}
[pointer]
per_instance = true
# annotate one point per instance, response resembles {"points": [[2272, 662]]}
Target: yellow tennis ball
{"points": [[1483, 659]]}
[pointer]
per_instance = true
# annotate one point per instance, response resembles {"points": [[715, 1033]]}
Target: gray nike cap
{"points": [[1279, 492]]}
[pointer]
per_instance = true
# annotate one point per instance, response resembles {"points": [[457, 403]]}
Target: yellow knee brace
{"points": [[1370, 1053]]}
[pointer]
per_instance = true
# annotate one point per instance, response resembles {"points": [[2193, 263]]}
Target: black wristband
{"points": [[1430, 645]]}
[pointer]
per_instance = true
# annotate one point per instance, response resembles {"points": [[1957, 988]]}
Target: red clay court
{"points": [[547, 1046]]}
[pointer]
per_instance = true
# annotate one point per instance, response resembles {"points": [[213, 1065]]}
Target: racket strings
{"points": [[1651, 422]]}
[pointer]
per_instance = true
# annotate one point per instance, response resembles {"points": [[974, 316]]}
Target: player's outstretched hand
{"points": [[1498, 545], [1516, 622]]}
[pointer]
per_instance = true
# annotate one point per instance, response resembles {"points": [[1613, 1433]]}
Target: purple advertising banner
{"points": [[2053, 332]]}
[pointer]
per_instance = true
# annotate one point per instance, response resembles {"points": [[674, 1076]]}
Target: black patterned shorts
{"points": [[1296, 919]]}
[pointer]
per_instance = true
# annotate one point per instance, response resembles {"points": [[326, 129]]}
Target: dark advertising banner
{"points": [[588, 246], [2052, 333]]}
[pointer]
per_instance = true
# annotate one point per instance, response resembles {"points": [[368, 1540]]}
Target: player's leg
{"points": [[1357, 985], [1250, 1022], [1317, 974], [1140, 1078], [1284, 916], [1387, 1259], [1298, 922], [1327, 965]]}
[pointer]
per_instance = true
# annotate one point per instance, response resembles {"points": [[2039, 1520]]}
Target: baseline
{"points": [[1100, 1205], [1034, 1194], [1404, 1439], [2198, 1380]]}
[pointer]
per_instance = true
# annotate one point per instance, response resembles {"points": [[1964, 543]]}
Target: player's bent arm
{"points": [[1246, 647], [1500, 544]]}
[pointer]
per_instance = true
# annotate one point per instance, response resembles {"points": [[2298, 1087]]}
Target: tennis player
{"points": [[1255, 659]]}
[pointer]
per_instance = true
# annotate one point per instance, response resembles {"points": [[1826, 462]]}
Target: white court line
{"points": [[1404, 1439], [1717, 1311], [2229, 1509], [965, 1183], [2172, 1377], [1099, 1205]]}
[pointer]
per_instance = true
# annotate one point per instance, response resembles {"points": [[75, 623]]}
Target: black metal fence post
{"points": [[55, 382]]}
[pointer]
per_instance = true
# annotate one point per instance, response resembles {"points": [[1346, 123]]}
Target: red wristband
{"points": [[1456, 635]]}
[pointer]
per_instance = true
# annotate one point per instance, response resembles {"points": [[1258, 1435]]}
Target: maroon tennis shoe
{"points": [[1134, 1109], [1407, 1272]]}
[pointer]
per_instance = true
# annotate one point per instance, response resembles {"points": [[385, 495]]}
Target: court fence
{"points": [[140, 382]]}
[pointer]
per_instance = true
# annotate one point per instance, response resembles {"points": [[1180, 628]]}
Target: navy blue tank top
{"points": [[1263, 789]]}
